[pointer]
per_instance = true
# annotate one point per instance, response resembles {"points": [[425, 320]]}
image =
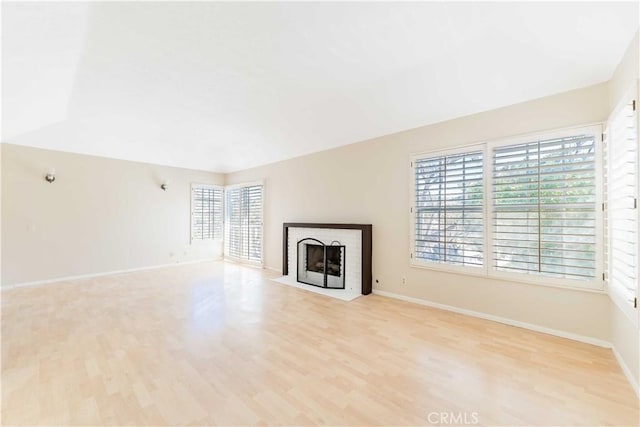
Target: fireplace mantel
{"points": [[366, 247]]}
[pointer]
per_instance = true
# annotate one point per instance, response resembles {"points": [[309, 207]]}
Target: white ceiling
{"points": [[228, 86]]}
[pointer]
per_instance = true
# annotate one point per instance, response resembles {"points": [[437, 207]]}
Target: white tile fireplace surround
{"points": [[352, 269]]}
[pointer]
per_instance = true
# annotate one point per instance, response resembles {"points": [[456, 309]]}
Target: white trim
{"points": [[460, 149], [620, 295], [274, 269], [105, 273], [595, 128], [595, 285], [504, 320], [626, 371], [521, 279]]}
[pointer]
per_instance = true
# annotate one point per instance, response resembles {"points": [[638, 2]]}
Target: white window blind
{"points": [[448, 209], [206, 212], [243, 231], [622, 193], [544, 207]]}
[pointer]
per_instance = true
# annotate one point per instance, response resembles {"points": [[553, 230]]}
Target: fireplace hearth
{"points": [[320, 264]]}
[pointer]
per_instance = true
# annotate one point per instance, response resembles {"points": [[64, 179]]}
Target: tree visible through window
{"points": [[544, 207], [503, 209], [448, 209]]}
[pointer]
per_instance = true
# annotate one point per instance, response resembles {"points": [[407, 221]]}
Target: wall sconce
{"points": [[164, 185], [50, 176]]}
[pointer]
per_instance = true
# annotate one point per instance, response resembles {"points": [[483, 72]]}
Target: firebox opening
{"points": [[315, 259]]}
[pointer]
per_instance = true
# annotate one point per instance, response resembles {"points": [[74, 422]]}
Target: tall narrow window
{"points": [[206, 212], [243, 231], [448, 209], [622, 196], [544, 207]]}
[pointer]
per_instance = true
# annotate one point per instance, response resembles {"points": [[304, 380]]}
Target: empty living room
{"points": [[347, 213]]}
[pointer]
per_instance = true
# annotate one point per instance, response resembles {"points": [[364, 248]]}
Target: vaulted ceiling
{"points": [[228, 86]]}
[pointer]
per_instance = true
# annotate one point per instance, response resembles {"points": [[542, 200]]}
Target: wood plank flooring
{"points": [[220, 344]]}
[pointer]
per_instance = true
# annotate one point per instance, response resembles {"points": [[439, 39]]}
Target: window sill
{"points": [[481, 272]]}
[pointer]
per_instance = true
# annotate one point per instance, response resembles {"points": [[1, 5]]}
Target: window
{"points": [[243, 231], [527, 209], [544, 202], [622, 194], [206, 212], [448, 209]]}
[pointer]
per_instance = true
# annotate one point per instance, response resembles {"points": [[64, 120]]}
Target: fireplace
{"points": [[320, 264], [303, 258]]}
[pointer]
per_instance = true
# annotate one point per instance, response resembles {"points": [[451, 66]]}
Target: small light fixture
{"points": [[50, 176], [164, 185]]}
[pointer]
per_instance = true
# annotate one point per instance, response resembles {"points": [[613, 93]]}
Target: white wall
{"points": [[1, 211], [368, 182], [625, 335], [99, 215]]}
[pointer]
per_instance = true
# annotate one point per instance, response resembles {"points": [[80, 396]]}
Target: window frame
{"points": [[195, 185], [488, 271], [225, 247], [435, 265], [597, 283]]}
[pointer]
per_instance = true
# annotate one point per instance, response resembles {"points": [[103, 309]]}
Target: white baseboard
{"points": [[105, 273], [506, 321], [626, 371], [274, 269]]}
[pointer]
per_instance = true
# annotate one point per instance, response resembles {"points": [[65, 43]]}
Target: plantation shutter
{"points": [[206, 213], [253, 195], [622, 193], [544, 207], [233, 238], [243, 234], [449, 210]]}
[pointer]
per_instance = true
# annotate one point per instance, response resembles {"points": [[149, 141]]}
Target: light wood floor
{"points": [[219, 344]]}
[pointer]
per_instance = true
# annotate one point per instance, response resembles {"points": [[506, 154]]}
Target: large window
{"points": [[448, 209], [206, 212], [622, 202], [544, 207], [525, 209], [243, 225]]}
